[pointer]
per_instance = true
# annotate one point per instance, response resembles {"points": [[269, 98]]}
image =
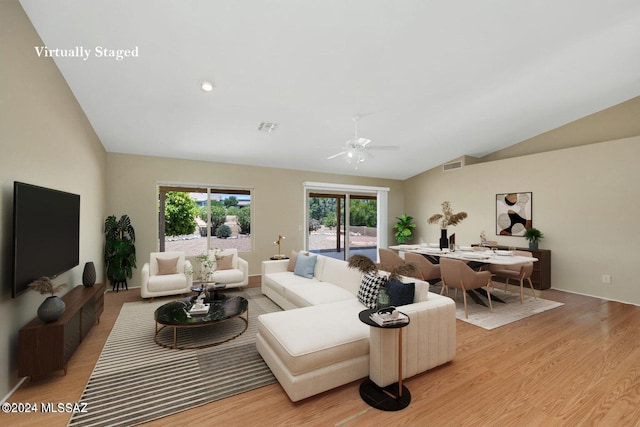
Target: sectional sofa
{"points": [[318, 342]]}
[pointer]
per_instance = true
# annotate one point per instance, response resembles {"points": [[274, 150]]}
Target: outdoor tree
{"points": [[363, 212], [231, 201], [179, 214]]}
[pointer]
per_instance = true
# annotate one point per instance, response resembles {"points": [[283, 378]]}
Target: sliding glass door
{"points": [[341, 225]]}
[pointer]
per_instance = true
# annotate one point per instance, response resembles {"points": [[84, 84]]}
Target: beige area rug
{"points": [[503, 314]]}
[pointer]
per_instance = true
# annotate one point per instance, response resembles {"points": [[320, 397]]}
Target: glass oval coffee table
{"points": [[176, 315]]}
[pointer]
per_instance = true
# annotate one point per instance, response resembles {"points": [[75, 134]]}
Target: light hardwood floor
{"points": [[575, 365]]}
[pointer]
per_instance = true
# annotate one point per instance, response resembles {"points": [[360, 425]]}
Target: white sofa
{"points": [[319, 343], [235, 277], [157, 285]]}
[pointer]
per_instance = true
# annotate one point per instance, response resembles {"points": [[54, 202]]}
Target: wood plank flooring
{"points": [[577, 365]]}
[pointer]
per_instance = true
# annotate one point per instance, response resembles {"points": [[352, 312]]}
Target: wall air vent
{"points": [[452, 165], [459, 163]]}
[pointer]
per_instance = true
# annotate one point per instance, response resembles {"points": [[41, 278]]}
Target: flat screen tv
{"points": [[46, 233]]}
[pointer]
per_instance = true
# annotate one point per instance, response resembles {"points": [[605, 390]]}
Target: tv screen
{"points": [[46, 233]]}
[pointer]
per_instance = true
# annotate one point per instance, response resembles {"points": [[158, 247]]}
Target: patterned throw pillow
{"points": [[369, 289]]}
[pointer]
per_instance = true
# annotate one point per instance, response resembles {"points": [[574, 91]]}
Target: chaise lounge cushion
{"points": [[307, 339]]}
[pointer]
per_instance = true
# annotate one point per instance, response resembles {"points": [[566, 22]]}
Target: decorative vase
{"points": [[444, 242], [383, 298], [51, 309], [89, 274], [533, 245]]}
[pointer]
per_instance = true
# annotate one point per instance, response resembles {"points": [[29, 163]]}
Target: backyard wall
{"points": [[585, 201], [46, 140]]}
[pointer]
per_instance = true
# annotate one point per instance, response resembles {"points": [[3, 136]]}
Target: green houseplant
{"points": [[404, 228], [119, 248], [533, 235]]}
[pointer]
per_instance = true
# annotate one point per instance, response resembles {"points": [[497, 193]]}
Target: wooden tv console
{"points": [[47, 347]]}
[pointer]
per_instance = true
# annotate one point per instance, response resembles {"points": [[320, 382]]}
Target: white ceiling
{"points": [[438, 78]]}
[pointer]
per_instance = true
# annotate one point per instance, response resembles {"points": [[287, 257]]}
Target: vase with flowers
{"points": [[445, 219], [53, 307]]}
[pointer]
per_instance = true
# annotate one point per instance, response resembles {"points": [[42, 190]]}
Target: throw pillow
{"points": [[305, 264], [370, 288], [400, 293], [224, 263], [292, 260], [167, 266]]}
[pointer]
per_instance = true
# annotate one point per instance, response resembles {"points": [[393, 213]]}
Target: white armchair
{"points": [[166, 273], [234, 274]]}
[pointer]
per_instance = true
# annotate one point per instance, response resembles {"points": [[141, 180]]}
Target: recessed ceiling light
{"points": [[206, 86], [267, 127]]}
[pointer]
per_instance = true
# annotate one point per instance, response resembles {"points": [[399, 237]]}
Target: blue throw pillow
{"points": [[400, 293], [305, 264]]}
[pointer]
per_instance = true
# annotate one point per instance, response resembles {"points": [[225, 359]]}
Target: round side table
{"points": [[393, 397]]}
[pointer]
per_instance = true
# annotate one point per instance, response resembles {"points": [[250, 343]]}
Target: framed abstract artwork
{"points": [[513, 213]]}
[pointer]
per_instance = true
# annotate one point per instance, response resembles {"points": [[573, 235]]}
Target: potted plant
{"points": [[53, 307], [404, 228], [119, 249], [533, 235], [445, 219]]}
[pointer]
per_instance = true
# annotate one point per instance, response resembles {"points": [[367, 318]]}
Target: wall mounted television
{"points": [[46, 233]]}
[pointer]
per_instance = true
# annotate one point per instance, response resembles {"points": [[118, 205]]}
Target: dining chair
{"points": [[458, 275], [520, 272], [389, 259], [427, 270]]}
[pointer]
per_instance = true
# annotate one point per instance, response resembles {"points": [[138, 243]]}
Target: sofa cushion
{"points": [[306, 339], [305, 265], [315, 293], [337, 271], [400, 293], [370, 288], [167, 265]]}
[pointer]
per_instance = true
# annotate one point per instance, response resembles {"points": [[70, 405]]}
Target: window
{"points": [[194, 219]]}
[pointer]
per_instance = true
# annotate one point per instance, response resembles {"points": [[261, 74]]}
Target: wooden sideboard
{"points": [[541, 276], [47, 347]]}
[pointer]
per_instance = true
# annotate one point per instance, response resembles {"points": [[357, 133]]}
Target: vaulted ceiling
{"points": [[440, 79]]}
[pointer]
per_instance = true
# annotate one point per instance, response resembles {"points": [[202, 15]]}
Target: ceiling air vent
{"points": [[452, 165]]}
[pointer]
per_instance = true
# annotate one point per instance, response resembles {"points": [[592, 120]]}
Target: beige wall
{"points": [[46, 140], [585, 201], [277, 199]]}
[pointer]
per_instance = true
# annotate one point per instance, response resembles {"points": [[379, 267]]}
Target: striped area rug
{"points": [[135, 380]]}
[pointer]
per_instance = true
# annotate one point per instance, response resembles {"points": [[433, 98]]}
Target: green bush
{"points": [[179, 213], [244, 219], [223, 232], [233, 210], [218, 214]]}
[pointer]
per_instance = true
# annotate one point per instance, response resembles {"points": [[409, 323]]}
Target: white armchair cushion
{"points": [[170, 283]]}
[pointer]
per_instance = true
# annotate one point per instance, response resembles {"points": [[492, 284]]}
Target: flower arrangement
{"points": [[44, 285], [447, 217]]}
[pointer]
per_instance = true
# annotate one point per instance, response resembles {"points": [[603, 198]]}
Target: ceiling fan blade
{"points": [[337, 155], [383, 147]]}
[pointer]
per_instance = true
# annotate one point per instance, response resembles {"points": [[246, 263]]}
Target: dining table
{"points": [[476, 257]]}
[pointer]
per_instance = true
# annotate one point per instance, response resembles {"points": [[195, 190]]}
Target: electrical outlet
{"points": [[606, 279]]}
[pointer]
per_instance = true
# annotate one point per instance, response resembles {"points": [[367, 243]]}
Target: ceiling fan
{"points": [[357, 149]]}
